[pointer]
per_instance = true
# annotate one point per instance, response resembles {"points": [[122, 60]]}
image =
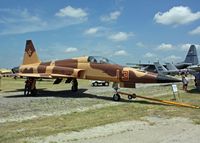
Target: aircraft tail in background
{"points": [[190, 59], [171, 67], [191, 56], [160, 68]]}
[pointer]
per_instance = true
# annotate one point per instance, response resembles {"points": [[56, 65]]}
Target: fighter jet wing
{"points": [[50, 72], [195, 67], [45, 75], [33, 75], [140, 64]]}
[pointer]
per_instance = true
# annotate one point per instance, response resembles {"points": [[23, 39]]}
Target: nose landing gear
{"points": [[116, 96]]}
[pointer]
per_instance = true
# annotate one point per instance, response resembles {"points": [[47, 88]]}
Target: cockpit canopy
{"points": [[99, 60]]}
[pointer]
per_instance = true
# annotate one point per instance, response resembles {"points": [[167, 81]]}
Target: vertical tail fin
{"points": [[160, 68], [192, 56], [30, 55], [171, 67]]}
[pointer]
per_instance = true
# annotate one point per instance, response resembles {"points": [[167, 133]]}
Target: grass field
{"points": [[21, 131]]}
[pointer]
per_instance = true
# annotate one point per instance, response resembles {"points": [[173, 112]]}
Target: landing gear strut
{"points": [[116, 96], [30, 88], [74, 87]]}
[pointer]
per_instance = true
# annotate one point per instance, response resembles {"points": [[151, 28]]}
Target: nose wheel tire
{"points": [[116, 97]]}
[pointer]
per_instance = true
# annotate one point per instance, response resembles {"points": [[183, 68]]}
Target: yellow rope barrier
{"points": [[162, 101]]}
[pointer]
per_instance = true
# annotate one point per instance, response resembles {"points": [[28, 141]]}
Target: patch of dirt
{"points": [[152, 129]]}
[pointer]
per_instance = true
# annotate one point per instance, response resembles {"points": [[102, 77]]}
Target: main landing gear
{"points": [[117, 97], [74, 83], [30, 88], [74, 87]]}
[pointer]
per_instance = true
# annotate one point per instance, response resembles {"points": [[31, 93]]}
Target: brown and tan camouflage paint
{"points": [[30, 55], [81, 68]]}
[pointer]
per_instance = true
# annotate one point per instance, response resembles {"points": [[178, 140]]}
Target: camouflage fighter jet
{"points": [[89, 68]]}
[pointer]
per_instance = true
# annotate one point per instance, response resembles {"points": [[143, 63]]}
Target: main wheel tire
{"points": [[74, 88], [27, 91], [116, 97], [34, 92]]}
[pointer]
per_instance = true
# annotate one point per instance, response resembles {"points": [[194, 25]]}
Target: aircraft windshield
{"points": [[99, 60]]}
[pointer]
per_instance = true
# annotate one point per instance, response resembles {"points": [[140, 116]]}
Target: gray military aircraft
{"points": [[190, 59], [195, 67], [170, 69]]}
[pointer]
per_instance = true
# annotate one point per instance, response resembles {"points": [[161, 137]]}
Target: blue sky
{"points": [[121, 30]]}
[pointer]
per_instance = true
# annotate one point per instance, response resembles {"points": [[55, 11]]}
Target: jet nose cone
{"points": [[166, 79]]}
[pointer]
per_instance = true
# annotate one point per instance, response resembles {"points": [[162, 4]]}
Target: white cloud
{"points": [[120, 36], [120, 53], [98, 31], [185, 47], [176, 16], [140, 44], [17, 21], [149, 55], [20, 21], [196, 31], [71, 50], [71, 12], [165, 47], [111, 17], [91, 31], [172, 58]]}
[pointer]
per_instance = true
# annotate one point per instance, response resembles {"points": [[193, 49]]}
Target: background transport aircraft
{"points": [[89, 67], [162, 70], [190, 59], [195, 67], [172, 70], [6, 73]]}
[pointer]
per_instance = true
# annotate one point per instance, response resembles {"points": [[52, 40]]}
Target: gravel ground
{"points": [[14, 106], [152, 130]]}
